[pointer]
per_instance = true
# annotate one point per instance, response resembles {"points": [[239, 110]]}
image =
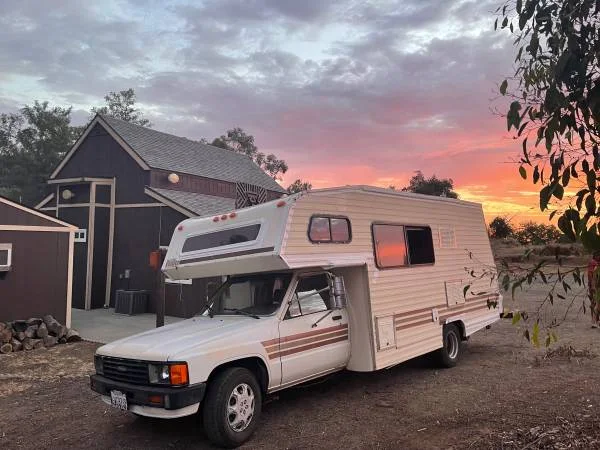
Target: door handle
{"points": [[336, 317]]}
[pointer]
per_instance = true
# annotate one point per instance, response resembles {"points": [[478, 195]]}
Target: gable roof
{"points": [[197, 204], [158, 150], [45, 218]]}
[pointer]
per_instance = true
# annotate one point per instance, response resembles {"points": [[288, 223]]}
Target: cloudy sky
{"points": [[346, 91]]}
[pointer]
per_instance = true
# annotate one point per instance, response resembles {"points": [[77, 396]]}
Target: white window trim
{"points": [[6, 267]]}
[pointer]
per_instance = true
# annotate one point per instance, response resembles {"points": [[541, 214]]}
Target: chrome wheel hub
{"points": [[452, 345], [240, 407]]}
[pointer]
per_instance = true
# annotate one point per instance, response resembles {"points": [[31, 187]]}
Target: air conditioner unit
{"points": [[131, 302]]}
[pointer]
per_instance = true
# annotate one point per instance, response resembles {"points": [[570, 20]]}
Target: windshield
{"points": [[259, 295]]}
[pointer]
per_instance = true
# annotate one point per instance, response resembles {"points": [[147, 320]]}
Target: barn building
{"points": [[36, 264], [126, 187]]}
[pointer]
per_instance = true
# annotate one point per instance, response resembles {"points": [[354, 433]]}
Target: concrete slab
{"points": [[104, 326]]}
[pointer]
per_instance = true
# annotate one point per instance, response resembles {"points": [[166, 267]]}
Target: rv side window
{"points": [[420, 245], [221, 238], [329, 230], [399, 245], [390, 245]]}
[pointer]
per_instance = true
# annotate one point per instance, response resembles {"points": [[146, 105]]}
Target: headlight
{"points": [[99, 364], [175, 374]]}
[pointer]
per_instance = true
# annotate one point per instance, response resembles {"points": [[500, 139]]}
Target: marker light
{"points": [[215, 219], [224, 217], [179, 373], [232, 215], [280, 203], [180, 227]]}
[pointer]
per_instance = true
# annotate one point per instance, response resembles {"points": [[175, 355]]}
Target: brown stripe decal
{"points": [[308, 347], [305, 341]]}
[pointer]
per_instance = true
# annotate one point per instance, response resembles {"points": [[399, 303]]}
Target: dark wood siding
{"points": [[192, 183], [37, 283], [78, 217], [9, 215], [99, 266], [99, 155]]}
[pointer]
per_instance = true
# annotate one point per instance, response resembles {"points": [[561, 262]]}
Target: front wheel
{"points": [[448, 355], [232, 407]]}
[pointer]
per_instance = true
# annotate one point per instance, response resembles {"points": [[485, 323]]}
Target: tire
{"points": [[232, 407], [449, 354]]}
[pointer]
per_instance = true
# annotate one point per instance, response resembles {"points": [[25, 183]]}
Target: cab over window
{"points": [[323, 229], [400, 245], [312, 295]]}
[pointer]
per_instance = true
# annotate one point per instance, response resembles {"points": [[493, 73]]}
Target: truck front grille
{"points": [[126, 370]]}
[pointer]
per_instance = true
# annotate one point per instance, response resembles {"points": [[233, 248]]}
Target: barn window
{"points": [[5, 257], [81, 235], [400, 245], [325, 229], [221, 238]]}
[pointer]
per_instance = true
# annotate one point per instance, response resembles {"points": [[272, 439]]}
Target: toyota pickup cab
{"points": [[354, 278]]}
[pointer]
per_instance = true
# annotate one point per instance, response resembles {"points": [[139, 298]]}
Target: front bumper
{"points": [[172, 397]]}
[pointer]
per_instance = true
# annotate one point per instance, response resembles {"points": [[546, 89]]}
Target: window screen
{"points": [[221, 238], [399, 245], [420, 245], [329, 229], [390, 245], [312, 295]]}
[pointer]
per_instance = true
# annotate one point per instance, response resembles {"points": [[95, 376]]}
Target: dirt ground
{"points": [[504, 394]]}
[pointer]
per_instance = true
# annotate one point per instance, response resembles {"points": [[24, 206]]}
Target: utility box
{"points": [[131, 302]]}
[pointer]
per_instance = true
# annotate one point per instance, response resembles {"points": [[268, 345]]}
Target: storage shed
{"points": [[36, 264]]}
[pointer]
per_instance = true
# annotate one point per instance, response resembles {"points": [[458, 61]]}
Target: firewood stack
{"points": [[34, 333]]}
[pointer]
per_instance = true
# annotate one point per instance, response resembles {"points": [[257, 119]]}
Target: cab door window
{"points": [[312, 295]]}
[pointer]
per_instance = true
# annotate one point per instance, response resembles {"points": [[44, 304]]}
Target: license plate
{"points": [[119, 400]]}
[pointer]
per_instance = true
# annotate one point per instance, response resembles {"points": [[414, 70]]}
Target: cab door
{"points": [[313, 333]]}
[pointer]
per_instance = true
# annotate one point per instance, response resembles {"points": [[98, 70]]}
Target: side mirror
{"points": [[339, 292]]}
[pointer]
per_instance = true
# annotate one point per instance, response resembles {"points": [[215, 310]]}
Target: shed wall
{"points": [[37, 283]]}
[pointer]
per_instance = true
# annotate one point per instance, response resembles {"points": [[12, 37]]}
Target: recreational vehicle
{"points": [[356, 278]]}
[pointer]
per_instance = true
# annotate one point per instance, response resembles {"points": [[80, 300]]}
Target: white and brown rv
{"points": [[356, 278]]}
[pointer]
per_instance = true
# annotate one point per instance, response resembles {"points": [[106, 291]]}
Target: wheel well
{"points": [[461, 328], [253, 364]]}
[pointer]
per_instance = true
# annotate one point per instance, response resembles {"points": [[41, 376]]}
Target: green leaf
{"points": [[535, 335], [516, 317], [503, 87], [545, 195], [558, 191], [566, 176], [523, 172]]}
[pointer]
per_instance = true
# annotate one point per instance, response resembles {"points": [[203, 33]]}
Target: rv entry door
{"points": [[314, 333]]}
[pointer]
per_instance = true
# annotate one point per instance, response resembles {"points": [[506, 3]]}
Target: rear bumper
{"points": [[173, 398]]}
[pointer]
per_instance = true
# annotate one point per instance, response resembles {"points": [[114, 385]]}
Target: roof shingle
{"points": [[199, 204], [164, 151]]}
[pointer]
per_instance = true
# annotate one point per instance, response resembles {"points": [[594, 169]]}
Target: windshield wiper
{"points": [[209, 304], [241, 311]]}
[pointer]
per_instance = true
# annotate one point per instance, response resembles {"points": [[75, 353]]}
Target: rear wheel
{"points": [[449, 354], [232, 407]]}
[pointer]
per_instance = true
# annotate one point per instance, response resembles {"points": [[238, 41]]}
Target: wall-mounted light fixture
{"points": [[173, 178], [67, 194]]}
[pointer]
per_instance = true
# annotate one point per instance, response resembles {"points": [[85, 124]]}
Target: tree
{"points": [[431, 186], [299, 186], [32, 143], [531, 233], [500, 228], [237, 140], [554, 111], [555, 108], [121, 105]]}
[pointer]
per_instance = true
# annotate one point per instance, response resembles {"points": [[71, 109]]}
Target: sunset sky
{"points": [[347, 92]]}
